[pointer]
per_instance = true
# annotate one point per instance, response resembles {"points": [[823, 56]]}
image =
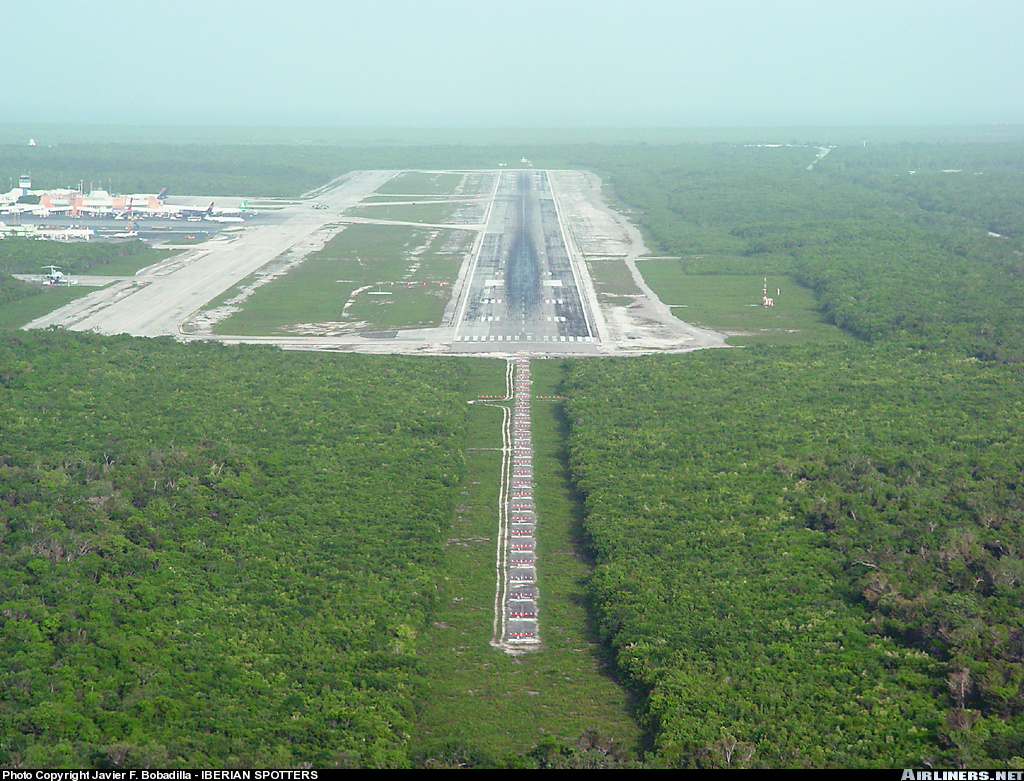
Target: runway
{"points": [[523, 286]]}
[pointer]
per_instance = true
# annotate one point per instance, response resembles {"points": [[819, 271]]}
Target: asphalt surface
{"points": [[523, 286], [158, 299], [152, 229]]}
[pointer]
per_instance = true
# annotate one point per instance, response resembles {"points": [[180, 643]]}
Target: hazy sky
{"points": [[529, 63]]}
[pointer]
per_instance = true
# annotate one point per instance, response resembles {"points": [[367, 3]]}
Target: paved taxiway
{"points": [[158, 299]]}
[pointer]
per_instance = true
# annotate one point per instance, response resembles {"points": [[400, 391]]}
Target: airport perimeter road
{"points": [[523, 287], [159, 298]]}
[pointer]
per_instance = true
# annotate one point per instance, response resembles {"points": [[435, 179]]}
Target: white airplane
{"points": [[138, 206], [237, 211], [231, 215], [34, 209], [56, 277], [173, 212], [19, 208], [12, 196], [139, 202], [55, 208]]}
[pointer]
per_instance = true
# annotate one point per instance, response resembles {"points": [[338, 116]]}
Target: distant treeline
{"points": [[237, 170]]}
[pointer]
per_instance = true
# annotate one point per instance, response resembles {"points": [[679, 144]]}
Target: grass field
{"points": [[402, 198], [612, 280], [483, 704], [411, 212], [25, 310], [191, 239], [732, 303], [130, 264], [368, 277], [422, 183]]}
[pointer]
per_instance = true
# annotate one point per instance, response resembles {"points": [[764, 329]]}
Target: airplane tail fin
{"points": [[162, 194], [209, 209]]}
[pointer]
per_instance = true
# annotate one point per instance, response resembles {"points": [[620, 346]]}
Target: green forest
{"points": [[811, 556], [217, 557], [800, 555]]}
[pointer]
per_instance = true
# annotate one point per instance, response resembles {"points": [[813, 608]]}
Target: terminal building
{"points": [[96, 203], [75, 203]]}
